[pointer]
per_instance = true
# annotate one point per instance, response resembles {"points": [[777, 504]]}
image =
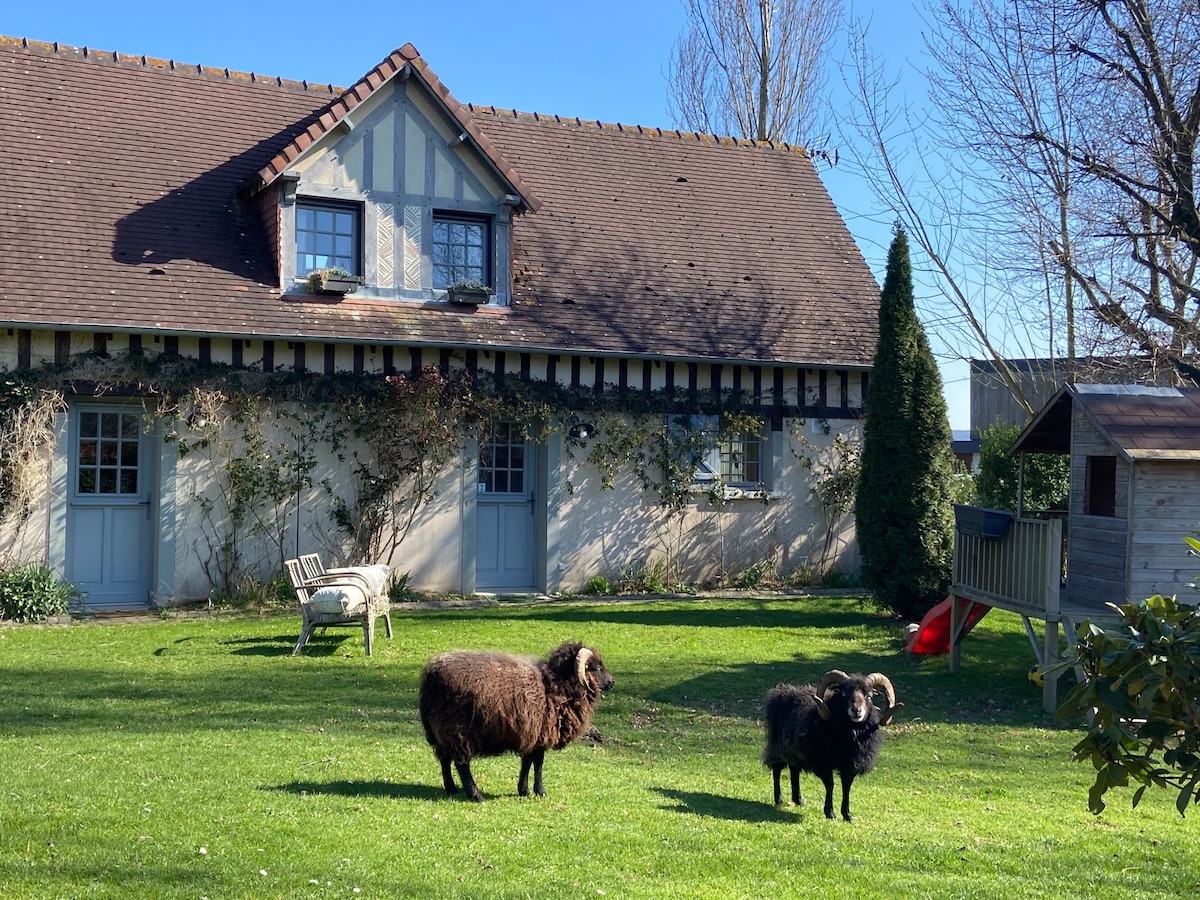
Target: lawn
{"points": [[198, 758]]}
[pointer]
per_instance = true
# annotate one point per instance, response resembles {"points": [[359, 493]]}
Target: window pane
{"points": [[87, 453], [460, 251], [129, 482], [108, 453], [108, 424], [517, 481], [326, 237], [87, 481], [129, 454], [108, 481], [129, 426], [88, 424], [502, 482]]}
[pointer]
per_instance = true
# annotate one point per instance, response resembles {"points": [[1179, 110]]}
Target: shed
{"points": [[1134, 496]]}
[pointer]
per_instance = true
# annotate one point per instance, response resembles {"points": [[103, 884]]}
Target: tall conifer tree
{"points": [[904, 516]]}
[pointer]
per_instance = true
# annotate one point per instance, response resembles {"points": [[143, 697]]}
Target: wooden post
{"points": [[1053, 578], [1049, 673]]}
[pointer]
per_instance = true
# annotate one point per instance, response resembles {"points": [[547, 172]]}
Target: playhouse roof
{"points": [[1142, 422]]}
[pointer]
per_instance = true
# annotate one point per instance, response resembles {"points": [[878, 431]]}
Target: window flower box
{"points": [[333, 280], [469, 292]]}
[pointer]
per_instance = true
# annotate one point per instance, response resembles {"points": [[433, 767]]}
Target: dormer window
{"points": [[461, 249], [328, 234]]}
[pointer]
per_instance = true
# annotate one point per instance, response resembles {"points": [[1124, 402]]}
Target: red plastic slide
{"points": [[933, 634]]}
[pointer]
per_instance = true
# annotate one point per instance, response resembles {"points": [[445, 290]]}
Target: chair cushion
{"points": [[376, 575], [336, 599]]}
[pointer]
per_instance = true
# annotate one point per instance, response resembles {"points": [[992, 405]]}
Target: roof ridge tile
{"points": [[135, 61], [654, 131]]}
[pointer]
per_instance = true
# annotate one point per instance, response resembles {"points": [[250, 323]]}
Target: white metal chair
{"points": [[347, 596]]}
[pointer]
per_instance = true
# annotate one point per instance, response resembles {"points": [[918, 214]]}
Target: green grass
{"points": [[198, 758]]}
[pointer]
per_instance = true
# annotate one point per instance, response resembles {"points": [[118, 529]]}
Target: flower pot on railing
{"points": [[334, 280], [472, 293], [976, 521]]}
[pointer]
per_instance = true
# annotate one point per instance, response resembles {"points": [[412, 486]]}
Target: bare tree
{"points": [[1055, 157], [754, 68]]}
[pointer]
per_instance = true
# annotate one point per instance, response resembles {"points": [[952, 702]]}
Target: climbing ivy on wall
{"points": [[264, 434]]}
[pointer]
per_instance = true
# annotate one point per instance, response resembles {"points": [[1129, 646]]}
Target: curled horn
{"points": [[832, 677], [877, 680], [581, 662]]}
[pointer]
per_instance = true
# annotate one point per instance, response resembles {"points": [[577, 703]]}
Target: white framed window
{"points": [[462, 247], [328, 234], [741, 458], [734, 459]]}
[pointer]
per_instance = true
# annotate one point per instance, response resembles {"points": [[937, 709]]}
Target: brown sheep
{"points": [[479, 703]]}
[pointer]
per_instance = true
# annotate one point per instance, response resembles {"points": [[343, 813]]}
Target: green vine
{"points": [[265, 433], [835, 472], [27, 410]]}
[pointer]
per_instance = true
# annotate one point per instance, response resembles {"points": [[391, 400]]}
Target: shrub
{"points": [[400, 589], [753, 577], [1139, 692], [30, 592], [1047, 476], [597, 584], [645, 578]]}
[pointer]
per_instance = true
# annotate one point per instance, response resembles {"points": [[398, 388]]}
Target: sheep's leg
{"points": [[847, 780], [534, 759], [447, 778], [827, 778], [796, 799], [776, 771], [468, 782]]}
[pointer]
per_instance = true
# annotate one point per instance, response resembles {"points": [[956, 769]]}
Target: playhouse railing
{"points": [[1017, 567]]}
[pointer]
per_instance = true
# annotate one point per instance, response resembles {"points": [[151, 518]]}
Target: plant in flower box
{"points": [[332, 280], [468, 290]]}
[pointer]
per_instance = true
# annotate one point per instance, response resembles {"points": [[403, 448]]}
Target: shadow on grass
{"points": [[844, 614], [714, 806], [387, 790], [284, 644]]}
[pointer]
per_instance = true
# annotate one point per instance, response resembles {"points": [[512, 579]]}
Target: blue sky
{"points": [[604, 61]]}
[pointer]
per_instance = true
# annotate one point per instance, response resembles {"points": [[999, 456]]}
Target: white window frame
{"points": [[715, 457]]}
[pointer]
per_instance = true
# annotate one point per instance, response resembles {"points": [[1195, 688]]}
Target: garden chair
{"points": [[348, 596]]}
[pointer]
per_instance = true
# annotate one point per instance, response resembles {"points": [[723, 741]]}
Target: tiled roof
{"points": [[122, 212], [1143, 422], [1146, 423]]}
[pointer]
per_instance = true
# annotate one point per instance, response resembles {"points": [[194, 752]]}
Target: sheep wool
{"points": [[481, 703], [830, 727]]}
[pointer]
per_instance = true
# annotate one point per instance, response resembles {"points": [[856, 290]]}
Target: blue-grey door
{"points": [[505, 511], [109, 534]]}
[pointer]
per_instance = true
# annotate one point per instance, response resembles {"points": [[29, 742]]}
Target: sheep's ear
{"points": [[822, 708], [581, 661]]}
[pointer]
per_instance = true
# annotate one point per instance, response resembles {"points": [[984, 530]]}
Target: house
{"points": [[1040, 379], [198, 266], [965, 449], [1134, 484]]}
